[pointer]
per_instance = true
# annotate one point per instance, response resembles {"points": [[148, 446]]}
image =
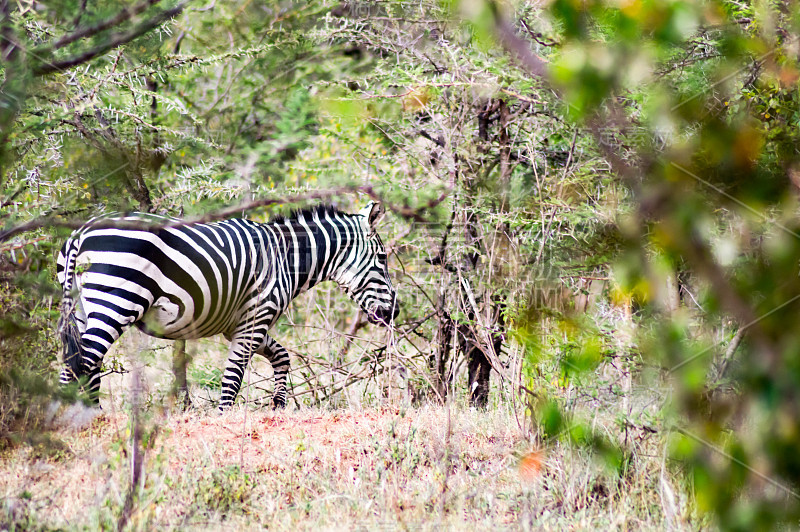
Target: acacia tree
{"points": [[720, 113], [640, 155], [684, 116], [172, 121]]}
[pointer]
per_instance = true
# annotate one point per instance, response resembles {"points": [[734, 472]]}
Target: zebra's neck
{"points": [[312, 249]]}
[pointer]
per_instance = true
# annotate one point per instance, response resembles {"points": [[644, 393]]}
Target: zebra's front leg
{"points": [[278, 356], [239, 354]]}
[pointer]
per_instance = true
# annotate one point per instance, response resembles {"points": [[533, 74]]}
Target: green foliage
{"points": [[224, 491], [627, 225], [26, 346], [209, 377], [718, 199]]}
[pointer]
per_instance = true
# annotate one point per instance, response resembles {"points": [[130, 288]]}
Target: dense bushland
{"points": [[593, 227]]}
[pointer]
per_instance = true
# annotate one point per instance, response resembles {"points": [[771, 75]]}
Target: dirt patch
{"points": [[262, 440]]}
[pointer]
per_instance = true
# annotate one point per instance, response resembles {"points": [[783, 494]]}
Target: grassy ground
{"points": [[366, 459], [422, 468]]}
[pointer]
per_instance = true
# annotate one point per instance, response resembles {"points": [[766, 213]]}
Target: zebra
{"points": [[236, 277]]}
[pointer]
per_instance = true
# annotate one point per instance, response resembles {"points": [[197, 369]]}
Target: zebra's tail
{"points": [[73, 353], [71, 340]]}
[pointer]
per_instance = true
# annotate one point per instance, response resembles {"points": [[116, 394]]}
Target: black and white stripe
{"points": [[186, 281]]}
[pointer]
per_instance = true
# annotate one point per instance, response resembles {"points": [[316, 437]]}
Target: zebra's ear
{"points": [[373, 213]]}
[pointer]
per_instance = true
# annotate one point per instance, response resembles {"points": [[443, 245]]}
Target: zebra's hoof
{"points": [[278, 405]]}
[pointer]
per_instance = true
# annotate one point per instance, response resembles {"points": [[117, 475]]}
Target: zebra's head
{"points": [[366, 277]]}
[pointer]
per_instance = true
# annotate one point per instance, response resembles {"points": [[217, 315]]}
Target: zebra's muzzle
{"points": [[384, 315]]}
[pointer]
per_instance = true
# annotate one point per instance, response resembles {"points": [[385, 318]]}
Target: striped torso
{"points": [[181, 280]]}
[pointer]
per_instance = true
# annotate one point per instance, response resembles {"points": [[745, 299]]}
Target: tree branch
{"points": [[103, 25], [694, 249], [119, 40], [228, 212]]}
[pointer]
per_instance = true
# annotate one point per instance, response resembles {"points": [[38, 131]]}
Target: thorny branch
{"points": [[696, 251], [222, 214], [118, 40], [88, 31]]}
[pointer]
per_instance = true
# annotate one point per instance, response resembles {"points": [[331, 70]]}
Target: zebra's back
{"points": [[172, 281]]}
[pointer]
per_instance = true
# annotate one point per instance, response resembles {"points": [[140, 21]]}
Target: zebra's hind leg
{"points": [[67, 378], [100, 332], [279, 358], [94, 349], [239, 354], [89, 374]]}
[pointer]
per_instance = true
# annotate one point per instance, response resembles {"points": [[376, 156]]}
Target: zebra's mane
{"points": [[307, 213]]}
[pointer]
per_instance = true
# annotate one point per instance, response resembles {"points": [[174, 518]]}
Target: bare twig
{"points": [[729, 352], [136, 450]]}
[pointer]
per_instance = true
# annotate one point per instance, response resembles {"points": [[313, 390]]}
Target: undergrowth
{"points": [[423, 467]]}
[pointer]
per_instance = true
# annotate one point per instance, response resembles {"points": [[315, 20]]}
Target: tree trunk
{"points": [[478, 367], [442, 377], [180, 386], [438, 360]]}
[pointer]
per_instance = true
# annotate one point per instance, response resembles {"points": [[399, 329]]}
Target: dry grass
{"points": [[352, 465], [424, 468]]}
